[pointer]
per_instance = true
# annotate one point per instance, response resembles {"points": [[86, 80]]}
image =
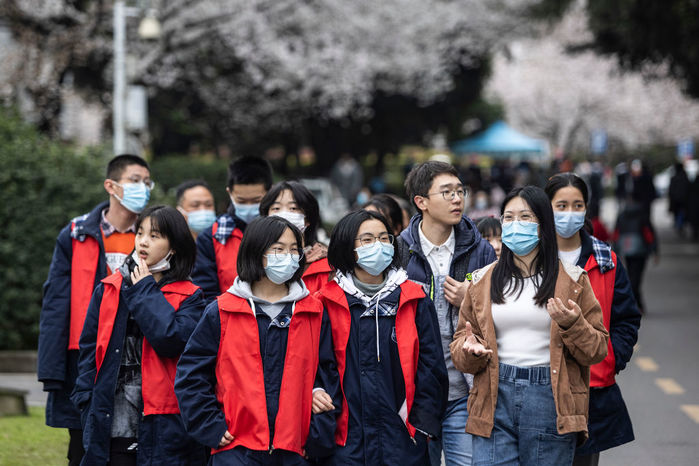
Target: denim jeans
{"points": [[524, 432], [454, 440]]}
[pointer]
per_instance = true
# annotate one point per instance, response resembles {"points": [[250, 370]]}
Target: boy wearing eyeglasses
{"points": [[88, 249], [440, 247]]}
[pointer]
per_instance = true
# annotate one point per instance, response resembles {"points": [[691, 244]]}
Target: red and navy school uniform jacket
{"points": [[316, 275], [217, 255], [390, 399], [254, 377], [166, 316], [609, 424], [77, 266]]}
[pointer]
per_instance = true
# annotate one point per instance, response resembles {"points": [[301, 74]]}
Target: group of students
{"points": [[258, 344]]}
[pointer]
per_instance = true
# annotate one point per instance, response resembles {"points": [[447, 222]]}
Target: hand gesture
{"points": [[472, 345], [140, 271], [563, 316], [454, 291], [322, 402], [225, 440]]}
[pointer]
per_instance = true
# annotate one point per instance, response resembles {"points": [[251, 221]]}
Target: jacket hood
{"points": [[466, 235], [395, 278], [88, 224], [297, 291]]}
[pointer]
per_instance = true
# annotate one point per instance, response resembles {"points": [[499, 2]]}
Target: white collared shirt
{"points": [[439, 257]]}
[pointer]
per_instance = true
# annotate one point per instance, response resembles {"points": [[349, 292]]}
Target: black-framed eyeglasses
{"points": [[448, 195], [367, 239]]}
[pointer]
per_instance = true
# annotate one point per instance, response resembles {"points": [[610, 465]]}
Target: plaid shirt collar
{"points": [[603, 255], [226, 225], [108, 229]]}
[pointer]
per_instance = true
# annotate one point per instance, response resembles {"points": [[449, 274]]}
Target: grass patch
{"points": [[27, 440]]}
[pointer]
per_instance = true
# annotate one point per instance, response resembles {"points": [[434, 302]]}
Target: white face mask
{"points": [[161, 266], [296, 219]]}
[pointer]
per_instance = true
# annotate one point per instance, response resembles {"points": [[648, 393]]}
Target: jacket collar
{"points": [[601, 251], [88, 224], [466, 235]]}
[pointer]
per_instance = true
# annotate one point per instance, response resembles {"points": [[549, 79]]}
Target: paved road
{"points": [[660, 385]]}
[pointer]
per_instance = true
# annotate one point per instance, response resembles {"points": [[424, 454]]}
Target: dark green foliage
{"points": [[640, 32], [168, 172], [43, 184]]}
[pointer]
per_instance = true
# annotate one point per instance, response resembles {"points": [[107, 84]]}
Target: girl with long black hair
{"points": [[529, 328]]}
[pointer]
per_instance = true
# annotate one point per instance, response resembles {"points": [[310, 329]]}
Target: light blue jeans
{"points": [[454, 440], [525, 423]]}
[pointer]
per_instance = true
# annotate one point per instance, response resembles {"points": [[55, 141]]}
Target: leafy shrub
{"points": [[43, 184]]}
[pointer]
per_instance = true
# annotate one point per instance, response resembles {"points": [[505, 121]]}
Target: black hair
{"points": [[171, 224], [341, 249], [116, 166], [304, 199], [489, 226], [562, 180], [419, 180], [507, 278], [187, 185], [250, 170], [260, 235], [390, 209]]}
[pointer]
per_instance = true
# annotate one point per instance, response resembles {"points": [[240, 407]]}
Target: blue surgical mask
{"points": [[200, 220], [281, 267], [375, 258], [136, 196], [568, 223], [246, 212], [520, 237]]}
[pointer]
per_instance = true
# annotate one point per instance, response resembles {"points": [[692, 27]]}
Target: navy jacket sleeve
{"points": [[204, 274], [625, 319], [195, 382], [431, 381], [87, 369], [54, 323], [483, 255], [321, 436], [167, 331]]}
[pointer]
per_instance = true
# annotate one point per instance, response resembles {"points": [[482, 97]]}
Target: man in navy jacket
{"points": [[79, 262], [440, 247]]}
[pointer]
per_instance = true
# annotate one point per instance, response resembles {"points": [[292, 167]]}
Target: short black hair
{"points": [[250, 170], [116, 166], [419, 180], [389, 208], [506, 276], [170, 223], [260, 234], [189, 184], [341, 248], [489, 226], [304, 199]]}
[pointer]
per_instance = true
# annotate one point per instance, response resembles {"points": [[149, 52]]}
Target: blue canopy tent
{"points": [[499, 140]]}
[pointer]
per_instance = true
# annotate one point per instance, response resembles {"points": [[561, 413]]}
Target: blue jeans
{"points": [[454, 439], [525, 423]]}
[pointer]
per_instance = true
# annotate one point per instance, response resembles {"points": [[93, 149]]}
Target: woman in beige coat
{"points": [[529, 328]]}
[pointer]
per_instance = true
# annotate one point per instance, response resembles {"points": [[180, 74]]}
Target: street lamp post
{"points": [[148, 29]]}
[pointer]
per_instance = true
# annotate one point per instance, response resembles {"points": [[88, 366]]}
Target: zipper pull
{"points": [[271, 448]]}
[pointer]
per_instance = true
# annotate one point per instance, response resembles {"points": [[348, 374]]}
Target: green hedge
{"points": [[43, 184]]}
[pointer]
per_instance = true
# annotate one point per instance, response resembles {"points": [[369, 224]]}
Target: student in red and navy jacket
{"points": [[609, 424], [249, 179], [387, 347], [295, 202], [246, 379], [137, 325]]}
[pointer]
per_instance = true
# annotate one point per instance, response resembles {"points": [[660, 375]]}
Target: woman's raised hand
{"points": [[472, 345], [563, 316]]}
